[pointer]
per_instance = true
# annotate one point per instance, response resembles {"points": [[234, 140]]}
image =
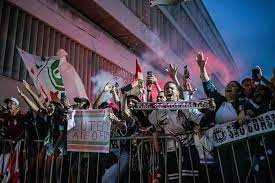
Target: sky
{"points": [[248, 29]]}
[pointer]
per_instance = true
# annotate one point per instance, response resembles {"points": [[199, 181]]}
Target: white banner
{"points": [[227, 133], [91, 131]]}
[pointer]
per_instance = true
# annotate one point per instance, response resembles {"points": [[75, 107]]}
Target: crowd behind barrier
{"points": [[143, 162], [225, 138]]}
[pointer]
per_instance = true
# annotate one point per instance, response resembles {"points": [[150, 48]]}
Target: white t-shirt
{"points": [[226, 113], [175, 122]]}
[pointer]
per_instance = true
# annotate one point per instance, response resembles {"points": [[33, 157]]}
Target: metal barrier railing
{"points": [[136, 160]]}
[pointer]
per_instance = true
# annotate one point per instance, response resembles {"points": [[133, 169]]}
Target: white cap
{"points": [[13, 99]]}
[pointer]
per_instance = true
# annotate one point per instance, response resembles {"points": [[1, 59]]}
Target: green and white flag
{"points": [[53, 76], [45, 74]]}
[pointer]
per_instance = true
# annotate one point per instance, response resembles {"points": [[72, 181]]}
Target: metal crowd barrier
{"points": [[252, 160]]}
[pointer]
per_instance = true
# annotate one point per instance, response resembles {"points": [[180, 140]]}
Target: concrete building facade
{"points": [[105, 35]]}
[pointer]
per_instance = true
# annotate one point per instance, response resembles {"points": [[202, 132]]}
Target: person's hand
{"points": [[161, 117], [151, 79], [173, 70], [201, 61], [134, 139], [259, 73], [112, 116], [26, 84], [212, 105], [197, 130], [113, 90], [127, 112], [108, 87], [250, 113], [156, 141], [241, 118], [190, 89]]}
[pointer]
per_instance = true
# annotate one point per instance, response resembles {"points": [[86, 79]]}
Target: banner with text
{"points": [[90, 131], [227, 133], [198, 104]]}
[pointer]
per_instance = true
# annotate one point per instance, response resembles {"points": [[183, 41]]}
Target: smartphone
{"points": [[63, 96], [255, 73], [126, 88], [186, 72], [149, 73]]}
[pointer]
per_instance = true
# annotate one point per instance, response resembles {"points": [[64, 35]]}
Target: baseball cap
{"points": [[82, 99], [114, 106], [77, 99], [11, 99]]}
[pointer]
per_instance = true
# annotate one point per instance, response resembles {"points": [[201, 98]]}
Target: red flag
{"points": [[13, 174], [138, 77]]}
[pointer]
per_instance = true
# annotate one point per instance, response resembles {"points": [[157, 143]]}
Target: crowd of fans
{"points": [[43, 129]]}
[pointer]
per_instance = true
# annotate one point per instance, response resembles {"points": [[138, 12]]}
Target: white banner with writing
{"points": [[90, 131], [227, 132]]}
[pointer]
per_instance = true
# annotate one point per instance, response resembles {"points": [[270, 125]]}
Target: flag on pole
{"points": [[137, 83], [45, 74], [138, 77], [53, 76]]}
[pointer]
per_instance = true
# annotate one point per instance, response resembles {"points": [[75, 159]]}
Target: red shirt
{"points": [[13, 125]]}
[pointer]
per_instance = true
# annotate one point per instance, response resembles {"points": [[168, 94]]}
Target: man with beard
{"points": [[178, 122]]}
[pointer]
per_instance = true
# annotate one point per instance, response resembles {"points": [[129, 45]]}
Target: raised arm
{"points": [[201, 61], [126, 112], [114, 92], [153, 79], [34, 96], [107, 88], [209, 88], [173, 72], [265, 81], [186, 84], [32, 105]]}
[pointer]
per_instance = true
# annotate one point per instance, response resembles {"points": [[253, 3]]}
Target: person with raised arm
{"points": [[230, 107], [180, 122]]}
